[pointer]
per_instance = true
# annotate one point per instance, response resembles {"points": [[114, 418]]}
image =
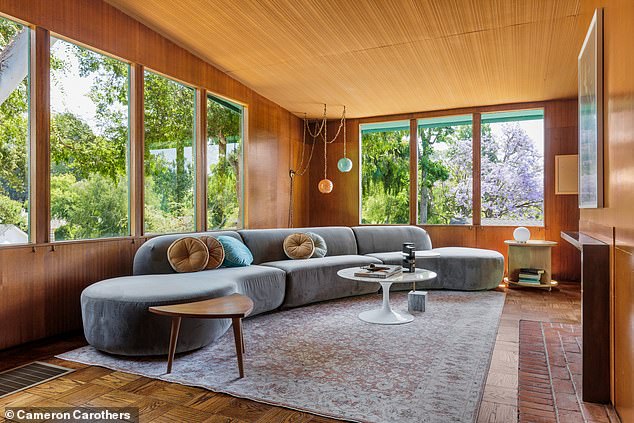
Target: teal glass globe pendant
{"points": [[344, 164]]}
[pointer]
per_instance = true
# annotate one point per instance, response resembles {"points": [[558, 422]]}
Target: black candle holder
{"points": [[409, 257]]}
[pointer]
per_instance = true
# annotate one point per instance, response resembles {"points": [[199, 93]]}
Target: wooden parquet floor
{"points": [[160, 401]]}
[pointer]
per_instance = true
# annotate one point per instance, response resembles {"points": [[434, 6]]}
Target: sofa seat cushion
{"points": [[315, 279], [116, 318], [468, 269], [459, 268]]}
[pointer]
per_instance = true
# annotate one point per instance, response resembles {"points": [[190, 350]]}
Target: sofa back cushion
{"points": [[268, 244], [151, 257], [382, 239]]}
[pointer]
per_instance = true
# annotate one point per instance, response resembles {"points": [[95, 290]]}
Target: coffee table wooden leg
{"points": [[176, 324], [237, 334]]}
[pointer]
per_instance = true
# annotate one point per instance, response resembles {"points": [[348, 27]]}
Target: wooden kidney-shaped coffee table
{"points": [[234, 307]]}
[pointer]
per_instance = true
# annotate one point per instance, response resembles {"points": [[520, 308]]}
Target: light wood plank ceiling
{"points": [[382, 56]]}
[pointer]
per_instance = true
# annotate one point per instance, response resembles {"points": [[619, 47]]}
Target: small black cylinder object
{"points": [[409, 257]]}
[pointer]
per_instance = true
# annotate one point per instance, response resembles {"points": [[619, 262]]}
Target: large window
{"points": [[385, 173], [14, 133], [169, 153], [445, 180], [512, 160], [224, 164], [89, 144]]}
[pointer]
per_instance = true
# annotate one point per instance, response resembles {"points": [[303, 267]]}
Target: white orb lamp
{"points": [[521, 234]]}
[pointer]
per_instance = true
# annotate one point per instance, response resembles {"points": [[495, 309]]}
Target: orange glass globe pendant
{"points": [[325, 186]]}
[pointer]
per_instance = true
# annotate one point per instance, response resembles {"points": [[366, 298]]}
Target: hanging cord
{"points": [[342, 124], [344, 132], [291, 174], [325, 152], [301, 169]]}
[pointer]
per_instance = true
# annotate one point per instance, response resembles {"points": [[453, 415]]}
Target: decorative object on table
{"points": [[521, 234], [590, 68], [416, 301], [378, 271], [188, 254], [298, 246], [529, 264], [325, 186], [409, 257]]}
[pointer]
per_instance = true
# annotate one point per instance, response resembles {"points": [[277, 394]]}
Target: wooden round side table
{"points": [[530, 254]]}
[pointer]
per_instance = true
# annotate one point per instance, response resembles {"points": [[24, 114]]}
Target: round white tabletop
{"points": [[386, 315], [426, 254]]}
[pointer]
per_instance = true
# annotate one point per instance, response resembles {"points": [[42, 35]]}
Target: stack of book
{"points": [[531, 275], [382, 271]]}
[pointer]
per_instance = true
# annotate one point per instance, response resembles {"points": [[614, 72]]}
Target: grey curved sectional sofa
{"points": [[115, 311]]}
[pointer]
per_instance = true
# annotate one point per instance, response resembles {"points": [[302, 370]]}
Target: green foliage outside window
{"points": [[512, 185], [385, 177], [224, 161], [169, 152], [89, 144], [14, 141]]}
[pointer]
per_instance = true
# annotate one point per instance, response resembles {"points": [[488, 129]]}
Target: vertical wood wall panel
{"points": [[40, 123], [614, 223]]}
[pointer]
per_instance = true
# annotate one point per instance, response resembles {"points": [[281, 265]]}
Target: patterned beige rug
{"points": [[324, 360]]}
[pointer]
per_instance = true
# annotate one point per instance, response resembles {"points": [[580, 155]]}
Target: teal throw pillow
{"points": [[320, 245], [236, 253]]}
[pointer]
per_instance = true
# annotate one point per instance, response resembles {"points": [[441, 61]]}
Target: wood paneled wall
{"points": [[341, 207], [614, 223], [40, 286]]}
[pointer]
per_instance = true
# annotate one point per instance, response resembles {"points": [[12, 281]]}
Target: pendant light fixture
{"points": [[344, 164]]}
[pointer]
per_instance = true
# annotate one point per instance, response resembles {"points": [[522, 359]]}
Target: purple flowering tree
{"points": [[512, 183]]}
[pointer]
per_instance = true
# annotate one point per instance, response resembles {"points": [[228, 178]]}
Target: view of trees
{"points": [[385, 176], [224, 159], [14, 130], [512, 190], [445, 174], [89, 144], [90, 148]]}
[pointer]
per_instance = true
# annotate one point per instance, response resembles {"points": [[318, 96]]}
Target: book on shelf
{"points": [[377, 271], [532, 271], [530, 281], [529, 276]]}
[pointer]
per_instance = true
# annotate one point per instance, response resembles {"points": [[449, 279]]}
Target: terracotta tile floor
{"points": [[550, 375], [503, 397]]}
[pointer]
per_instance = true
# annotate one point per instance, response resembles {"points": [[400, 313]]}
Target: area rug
{"points": [[550, 375], [324, 360]]}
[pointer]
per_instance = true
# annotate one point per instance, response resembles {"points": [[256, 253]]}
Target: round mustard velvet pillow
{"points": [[299, 246], [216, 252], [188, 254]]}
